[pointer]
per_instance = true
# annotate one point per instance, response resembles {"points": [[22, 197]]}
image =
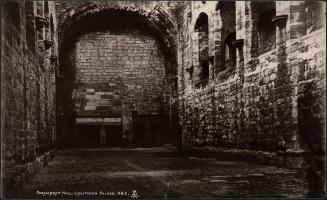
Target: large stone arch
{"points": [[78, 20], [156, 19]]}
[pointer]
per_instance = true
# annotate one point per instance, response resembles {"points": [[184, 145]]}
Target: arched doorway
{"points": [[118, 78]]}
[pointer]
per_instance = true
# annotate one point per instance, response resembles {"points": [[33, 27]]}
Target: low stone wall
{"points": [[293, 160]]}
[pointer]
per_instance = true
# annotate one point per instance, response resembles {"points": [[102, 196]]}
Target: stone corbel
{"points": [[48, 44], [40, 22], [280, 20], [280, 23]]}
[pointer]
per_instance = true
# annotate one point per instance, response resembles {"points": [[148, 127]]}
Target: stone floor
{"points": [[157, 172]]}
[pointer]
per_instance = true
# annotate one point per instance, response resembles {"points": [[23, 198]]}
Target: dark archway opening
{"points": [[230, 51], [265, 28], [202, 30], [228, 34]]}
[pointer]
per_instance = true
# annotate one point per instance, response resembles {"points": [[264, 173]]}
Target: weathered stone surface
{"points": [[148, 62], [28, 121], [112, 67], [256, 106], [159, 173]]}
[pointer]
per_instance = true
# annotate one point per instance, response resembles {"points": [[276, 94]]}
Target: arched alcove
{"points": [[230, 51], [226, 52], [118, 66], [201, 31], [264, 28], [228, 34]]}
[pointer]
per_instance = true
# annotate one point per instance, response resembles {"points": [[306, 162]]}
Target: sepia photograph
{"points": [[135, 99]]}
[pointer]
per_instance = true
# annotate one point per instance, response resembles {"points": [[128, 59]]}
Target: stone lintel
{"points": [[280, 20], [98, 121]]}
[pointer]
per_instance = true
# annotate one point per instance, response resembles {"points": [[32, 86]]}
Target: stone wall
{"points": [[251, 78], [119, 73], [128, 66], [27, 89], [269, 102]]}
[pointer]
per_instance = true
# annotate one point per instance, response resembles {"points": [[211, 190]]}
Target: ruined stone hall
{"points": [[163, 99]]}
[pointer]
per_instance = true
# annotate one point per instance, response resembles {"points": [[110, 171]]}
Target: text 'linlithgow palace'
{"points": [[239, 80]]}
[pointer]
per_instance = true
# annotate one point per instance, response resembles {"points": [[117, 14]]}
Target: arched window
{"points": [[201, 28], [201, 24], [228, 34], [230, 51], [262, 14], [314, 14]]}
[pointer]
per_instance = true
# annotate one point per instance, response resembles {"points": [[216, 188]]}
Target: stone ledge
{"points": [[293, 160], [15, 176]]}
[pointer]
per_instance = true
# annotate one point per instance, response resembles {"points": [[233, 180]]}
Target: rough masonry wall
{"points": [[121, 67], [270, 103], [27, 98]]}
